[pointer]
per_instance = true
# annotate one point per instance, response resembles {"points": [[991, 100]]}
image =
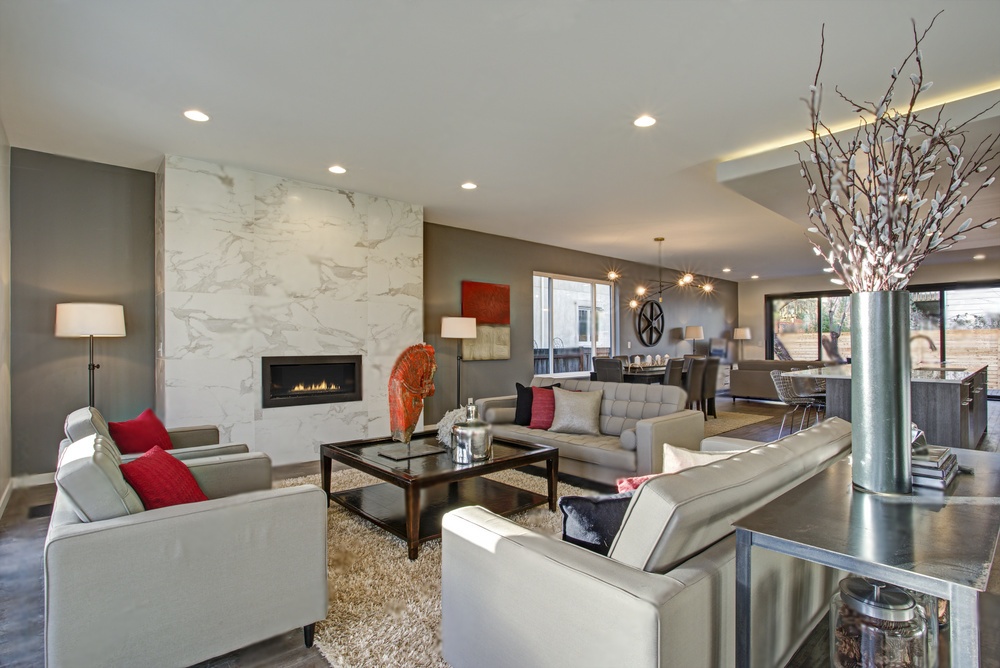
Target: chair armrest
{"points": [[496, 406], [247, 567], [219, 477], [539, 600], [189, 437], [200, 451], [727, 444], [684, 429]]}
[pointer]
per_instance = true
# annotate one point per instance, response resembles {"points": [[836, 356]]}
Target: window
{"points": [[955, 324], [572, 322]]}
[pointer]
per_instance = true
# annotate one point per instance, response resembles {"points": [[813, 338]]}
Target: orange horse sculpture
{"points": [[411, 380]]}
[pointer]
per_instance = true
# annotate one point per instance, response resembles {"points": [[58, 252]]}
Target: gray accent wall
{"points": [[453, 255], [80, 231], [5, 431]]}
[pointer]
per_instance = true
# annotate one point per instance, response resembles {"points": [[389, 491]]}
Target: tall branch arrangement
{"points": [[896, 191]]}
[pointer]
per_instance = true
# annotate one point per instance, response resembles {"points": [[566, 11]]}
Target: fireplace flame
{"points": [[316, 387]]}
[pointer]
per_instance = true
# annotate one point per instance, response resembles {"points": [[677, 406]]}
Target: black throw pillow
{"points": [[593, 522], [522, 410]]}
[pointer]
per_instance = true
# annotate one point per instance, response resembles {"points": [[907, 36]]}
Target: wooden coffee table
{"points": [[418, 492]]}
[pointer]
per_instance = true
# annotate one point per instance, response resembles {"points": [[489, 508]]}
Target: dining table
{"points": [[645, 373]]}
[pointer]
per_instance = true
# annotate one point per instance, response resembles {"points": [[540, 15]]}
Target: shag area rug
{"points": [[385, 610], [728, 421]]}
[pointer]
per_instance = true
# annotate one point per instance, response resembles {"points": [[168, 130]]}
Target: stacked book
{"points": [[933, 466]]}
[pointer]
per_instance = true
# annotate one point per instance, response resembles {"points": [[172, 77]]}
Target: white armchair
{"points": [[178, 585]]}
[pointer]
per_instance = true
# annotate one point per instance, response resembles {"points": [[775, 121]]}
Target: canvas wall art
{"points": [[489, 304]]}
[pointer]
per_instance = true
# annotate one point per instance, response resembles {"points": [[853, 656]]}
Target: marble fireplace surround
{"points": [[251, 265]]}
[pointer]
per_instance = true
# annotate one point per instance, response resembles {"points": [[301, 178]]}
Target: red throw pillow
{"points": [[139, 435], [543, 407], [161, 480], [632, 484]]}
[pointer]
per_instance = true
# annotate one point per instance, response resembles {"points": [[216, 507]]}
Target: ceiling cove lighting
{"points": [[337, 169], [644, 121], [195, 115], [644, 294], [469, 185]]}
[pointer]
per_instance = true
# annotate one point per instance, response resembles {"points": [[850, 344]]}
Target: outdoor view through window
{"points": [[573, 322], [959, 327]]}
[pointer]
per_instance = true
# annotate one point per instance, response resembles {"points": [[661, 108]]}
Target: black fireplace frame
{"points": [[266, 363]]}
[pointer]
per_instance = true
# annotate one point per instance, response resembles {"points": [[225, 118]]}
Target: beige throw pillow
{"points": [[677, 459], [577, 412]]}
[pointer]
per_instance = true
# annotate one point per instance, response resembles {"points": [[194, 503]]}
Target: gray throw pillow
{"points": [[577, 412]]}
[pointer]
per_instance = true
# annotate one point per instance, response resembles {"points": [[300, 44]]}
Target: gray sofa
{"points": [[751, 379], [174, 586], [664, 596], [635, 421]]}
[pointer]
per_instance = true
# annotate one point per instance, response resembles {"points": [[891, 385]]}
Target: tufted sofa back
{"points": [[624, 404]]}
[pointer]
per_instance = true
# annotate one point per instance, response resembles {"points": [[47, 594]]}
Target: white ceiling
{"points": [[533, 100]]}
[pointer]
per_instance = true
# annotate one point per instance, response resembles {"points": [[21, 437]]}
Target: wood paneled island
{"points": [[947, 402]]}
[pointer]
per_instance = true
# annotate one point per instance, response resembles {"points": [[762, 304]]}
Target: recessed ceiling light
{"points": [[813, 229], [726, 270], [979, 256], [469, 185], [337, 169], [644, 121], [828, 270], [836, 281], [195, 115], [755, 277]]}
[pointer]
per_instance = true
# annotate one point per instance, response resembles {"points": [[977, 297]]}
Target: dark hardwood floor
{"points": [[25, 521]]}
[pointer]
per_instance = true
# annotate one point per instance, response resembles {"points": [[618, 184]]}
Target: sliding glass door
{"points": [[972, 331]]}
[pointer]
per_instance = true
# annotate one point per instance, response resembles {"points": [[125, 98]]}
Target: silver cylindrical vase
{"points": [[880, 391]]}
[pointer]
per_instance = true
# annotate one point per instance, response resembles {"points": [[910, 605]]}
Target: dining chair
{"points": [[695, 384], [674, 373], [710, 384], [788, 395], [609, 370]]}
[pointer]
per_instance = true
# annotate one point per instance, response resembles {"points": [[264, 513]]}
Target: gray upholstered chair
{"points": [[711, 382], [609, 369], [174, 586], [787, 394], [674, 373], [695, 382], [186, 442]]}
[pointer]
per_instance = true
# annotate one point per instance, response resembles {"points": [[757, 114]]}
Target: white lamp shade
{"points": [[90, 320], [458, 328], [741, 334], [694, 332]]}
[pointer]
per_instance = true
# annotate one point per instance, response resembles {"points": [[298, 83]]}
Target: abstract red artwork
{"points": [[488, 303]]}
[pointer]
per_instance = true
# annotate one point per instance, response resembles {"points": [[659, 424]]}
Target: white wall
{"points": [[752, 293], [5, 433], [252, 265]]}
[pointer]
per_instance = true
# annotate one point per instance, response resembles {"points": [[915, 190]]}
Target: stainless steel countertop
{"points": [[931, 536], [923, 374]]}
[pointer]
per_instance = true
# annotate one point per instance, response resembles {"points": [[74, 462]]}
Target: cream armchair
{"points": [[174, 586], [186, 442]]}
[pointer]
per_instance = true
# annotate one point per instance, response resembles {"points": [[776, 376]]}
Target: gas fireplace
{"points": [[318, 379]]}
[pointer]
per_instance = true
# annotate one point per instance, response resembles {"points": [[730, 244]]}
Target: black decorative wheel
{"points": [[649, 323]]}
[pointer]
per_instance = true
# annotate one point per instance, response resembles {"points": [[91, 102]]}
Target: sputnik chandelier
{"points": [[686, 280]]}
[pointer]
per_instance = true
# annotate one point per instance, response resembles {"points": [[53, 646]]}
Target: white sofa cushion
{"points": [[674, 516], [89, 476], [677, 459]]}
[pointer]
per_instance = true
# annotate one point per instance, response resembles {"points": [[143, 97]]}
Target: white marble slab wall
{"points": [[253, 265]]}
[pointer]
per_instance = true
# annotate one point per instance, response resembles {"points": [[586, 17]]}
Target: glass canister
{"points": [[471, 439], [876, 625]]}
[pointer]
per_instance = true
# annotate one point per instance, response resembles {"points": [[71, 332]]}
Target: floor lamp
{"points": [[90, 320], [458, 328], [694, 333], [741, 334]]}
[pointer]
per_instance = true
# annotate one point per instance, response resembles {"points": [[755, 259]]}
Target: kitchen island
{"points": [[947, 402]]}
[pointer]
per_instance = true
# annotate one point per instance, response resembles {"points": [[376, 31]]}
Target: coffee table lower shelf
{"points": [[385, 503]]}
